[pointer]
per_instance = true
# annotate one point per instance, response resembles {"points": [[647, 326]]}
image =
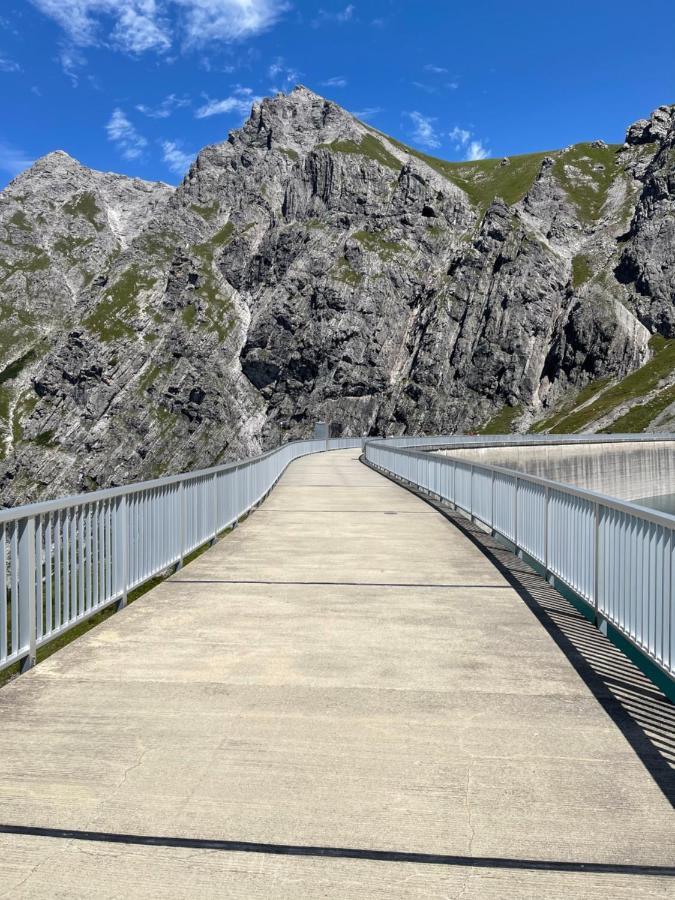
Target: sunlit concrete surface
{"points": [[347, 671]]}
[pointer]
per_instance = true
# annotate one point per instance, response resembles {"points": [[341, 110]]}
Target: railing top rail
{"points": [[11, 514], [469, 442]]}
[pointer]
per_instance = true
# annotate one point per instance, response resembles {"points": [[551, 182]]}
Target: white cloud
{"points": [[239, 102], [368, 112], [459, 136], [437, 70], [476, 151], [124, 135], [8, 65], [424, 133], [176, 158], [341, 16], [337, 81], [13, 160], [228, 20], [282, 76], [165, 108], [463, 139], [142, 25], [71, 60], [430, 89]]}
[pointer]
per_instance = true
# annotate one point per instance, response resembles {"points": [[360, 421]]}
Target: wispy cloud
{"points": [[240, 101], [8, 65], [436, 70], [476, 151], [368, 112], [427, 88], [165, 108], [463, 139], [337, 81], [340, 16], [13, 160], [459, 136], [136, 26], [125, 136], [424, 132], [177, 159], [71, 60], [281, 75]]}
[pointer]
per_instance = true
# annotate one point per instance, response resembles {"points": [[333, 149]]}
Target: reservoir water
{"points": [[662, 502]]}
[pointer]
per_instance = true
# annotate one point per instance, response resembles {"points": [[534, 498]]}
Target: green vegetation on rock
{"points": [[20, 220], [68, 243], [290, 153], [502, 422], [86, 207], [633, 387], [375, 243], [36, 261], [206, 212], [223, 236], [110, 319], [486, 179], [209, 289], [581, 270], [369, 147], [551, 423], [639, 417], [586, 173], [343, 272]]}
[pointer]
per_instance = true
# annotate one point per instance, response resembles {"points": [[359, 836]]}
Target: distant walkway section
{"points": [[350, 696]]}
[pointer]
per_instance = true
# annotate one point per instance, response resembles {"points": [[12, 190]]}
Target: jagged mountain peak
{"points": [[298, 121], [311, 267], [656, 128]]}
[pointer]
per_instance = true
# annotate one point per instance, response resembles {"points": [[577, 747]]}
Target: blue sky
{"points": [[139, 86]]}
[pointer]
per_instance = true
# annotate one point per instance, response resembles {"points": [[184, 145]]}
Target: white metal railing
{"points": [[617, 556], [63, 560]]}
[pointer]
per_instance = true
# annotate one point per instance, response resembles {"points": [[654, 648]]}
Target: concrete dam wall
{"points": [[628, 471]]}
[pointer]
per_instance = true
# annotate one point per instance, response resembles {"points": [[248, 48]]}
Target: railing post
{"points": [[123, 549], [546, 492], [181, 525], [515, 515], [492, 500], [27, 637], [599, 620], [471, 493], [215, 508]]}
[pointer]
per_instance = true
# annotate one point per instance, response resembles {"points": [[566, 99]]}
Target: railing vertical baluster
{"points": [[181, 524], [27, 579], [121, 540], [3, 592]]}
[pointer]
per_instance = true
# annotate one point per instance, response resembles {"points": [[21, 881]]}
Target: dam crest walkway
{"points": [[352, 695]]}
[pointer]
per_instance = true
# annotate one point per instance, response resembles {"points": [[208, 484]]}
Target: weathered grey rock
{"points": [[312, 268]]}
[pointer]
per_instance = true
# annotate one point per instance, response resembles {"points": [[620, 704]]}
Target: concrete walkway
{"points": [[346, 670]]}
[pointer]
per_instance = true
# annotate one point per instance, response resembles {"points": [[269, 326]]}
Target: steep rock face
{"points": [[647, 263], [312, 268]]}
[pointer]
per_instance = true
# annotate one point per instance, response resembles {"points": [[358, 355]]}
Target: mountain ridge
{"points": [[310, 267]]}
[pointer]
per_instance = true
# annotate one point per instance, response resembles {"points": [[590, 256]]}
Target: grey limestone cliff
{"points": [[311, 268]]}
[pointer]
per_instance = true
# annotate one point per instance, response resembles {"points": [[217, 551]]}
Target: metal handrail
{"points": [[616, 556], [64, 560]]}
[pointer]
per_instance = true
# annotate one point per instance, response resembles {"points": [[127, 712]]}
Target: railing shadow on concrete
{"points": [[615, 558], [643, 714], [641, 711]]}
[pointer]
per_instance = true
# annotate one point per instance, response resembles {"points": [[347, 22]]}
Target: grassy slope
{"points": [[573, 417]]}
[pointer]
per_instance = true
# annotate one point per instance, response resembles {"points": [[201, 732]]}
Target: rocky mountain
{"points": [[311, 268]]}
